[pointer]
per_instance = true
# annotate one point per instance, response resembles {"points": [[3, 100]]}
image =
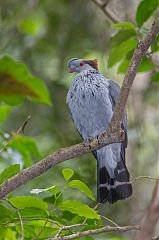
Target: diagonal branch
{"points": [[139, 52], [57, 157], [112, 135]]}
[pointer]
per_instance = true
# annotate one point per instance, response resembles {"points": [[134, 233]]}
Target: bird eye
{"points": [[81, 64]]}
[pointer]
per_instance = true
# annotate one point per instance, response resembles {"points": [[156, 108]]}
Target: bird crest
{"points": [[92, 63]]}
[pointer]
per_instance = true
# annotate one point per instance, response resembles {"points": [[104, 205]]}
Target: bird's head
{"points": [[78, 65]]}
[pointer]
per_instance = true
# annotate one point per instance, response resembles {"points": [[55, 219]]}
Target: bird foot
{"points": [[87, 142], [91, 142], [99, 137]]}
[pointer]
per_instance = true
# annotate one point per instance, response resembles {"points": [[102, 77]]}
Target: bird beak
{"points": [[71, 70]]}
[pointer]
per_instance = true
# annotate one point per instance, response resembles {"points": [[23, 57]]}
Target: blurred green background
{"points": [[44, 35]]}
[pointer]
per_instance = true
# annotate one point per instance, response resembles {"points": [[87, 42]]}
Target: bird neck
{"points": [[86, 68]]}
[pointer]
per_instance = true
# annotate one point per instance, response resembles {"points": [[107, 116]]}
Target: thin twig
{"points": [[31, 219], [20, 130], [109, 220], [19, 217], [41, 230], [95, 207], [109, 14], [143, 177], [68, 227], [4, 147], [97, 231], [21, 223], [105, 4]]}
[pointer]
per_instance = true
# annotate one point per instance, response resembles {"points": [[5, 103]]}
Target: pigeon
{"points": [[91, 99]]}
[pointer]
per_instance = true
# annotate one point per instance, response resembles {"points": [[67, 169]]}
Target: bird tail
{"points": [[113, 184]]}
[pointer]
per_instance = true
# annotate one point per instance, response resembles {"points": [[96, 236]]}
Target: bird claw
{"points": [[99, 137], [90, 142], [87, 142]]}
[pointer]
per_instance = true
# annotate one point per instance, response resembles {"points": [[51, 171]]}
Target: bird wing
{"points": [[114, 91]]}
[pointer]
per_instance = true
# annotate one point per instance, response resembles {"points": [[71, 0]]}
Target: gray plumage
{"points": [[91, 99]]}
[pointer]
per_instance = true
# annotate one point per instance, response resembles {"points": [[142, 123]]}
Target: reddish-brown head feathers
{"points": [[92, 63]]}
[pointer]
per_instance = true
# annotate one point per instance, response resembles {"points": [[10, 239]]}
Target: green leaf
{"points": [[58, 198], [155, 77], [92, 223], [33, 25], [123, 67], [54, 190], [83, 187], [67, 173], [118, 52], [155, 45], [118, 238], [59, 218], [9, 172], [47, 231], [4, 112], [29, 232], [16, 82], [145, 10], [6, 214], [55, 199], [146, 65], [88, 238], [7, 234], [12, 100], [26, 146], [28, 201], [79, 208], [122, 36], [123, 25], [31, 213]]}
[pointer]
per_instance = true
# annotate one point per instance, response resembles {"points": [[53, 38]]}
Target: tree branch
{"points": [[109, 14], [113, 135], [139, 52], [97, 231], [152, 215], [57, 157]]}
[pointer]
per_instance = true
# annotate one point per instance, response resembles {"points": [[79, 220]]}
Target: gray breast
{"points": [[89, 102]]}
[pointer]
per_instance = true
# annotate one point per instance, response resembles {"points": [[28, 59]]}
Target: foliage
{"points": [[48, 214], [30, 40], [83, 187], [4, 112], [17, 82], [145, 10], [9, 172], [125, 40]]}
